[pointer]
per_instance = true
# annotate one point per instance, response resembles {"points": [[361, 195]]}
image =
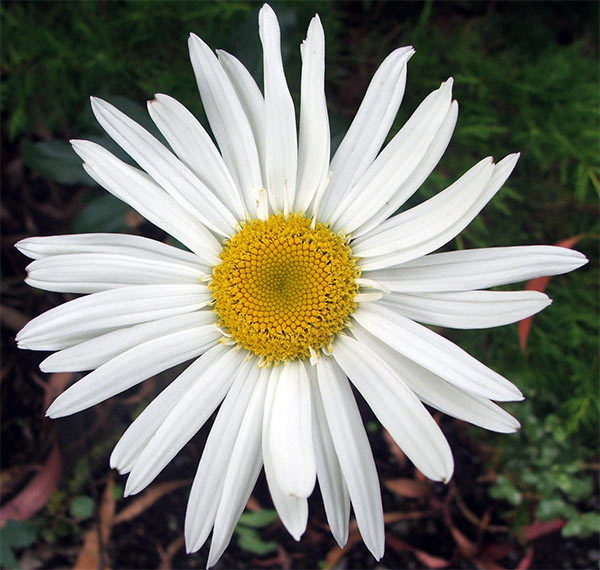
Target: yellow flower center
{"points": [[284, 287]]}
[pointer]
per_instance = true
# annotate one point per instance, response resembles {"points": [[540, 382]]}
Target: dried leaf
{"points": [[106, 512], [483, 524], [393, 517], [35, 495], [466, 546], [498, 551], [89, 554], [166, 555], [337, 553], [96, 539], [429, 560], [526, 561], [540, 528], [147, 499], [408, 488], [253, 505]]}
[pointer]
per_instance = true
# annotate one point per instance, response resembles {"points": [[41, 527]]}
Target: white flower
{"points": [[299, 277]]}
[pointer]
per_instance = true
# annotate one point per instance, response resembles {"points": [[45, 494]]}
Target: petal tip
{"points": [[266, 7], [129, 488], [54, 412], [581, 258], [77, 144]]}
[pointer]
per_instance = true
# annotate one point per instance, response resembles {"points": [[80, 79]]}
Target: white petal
{"points": [[94, 272], [281, 147], [228, 121], [86, 317], [195, 148], [168, 171], [96, 351], [430, 160], [183, 421], [353, 452], [445, 207], [292, 510], [250, 97], [397, 408], [208, 483], [368, 130], [314, 139], [468, 309], [242, 472], [329, 473], [143, 428], [433, 223], [117, 244], [132, 367], [434, 352], [438, 393], [290, 432], [148, 198], [395, 164], [478, 268]]}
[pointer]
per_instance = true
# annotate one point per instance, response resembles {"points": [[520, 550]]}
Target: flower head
{"points": [[300, 278]]}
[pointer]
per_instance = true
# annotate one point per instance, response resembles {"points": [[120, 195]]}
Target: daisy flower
{"points": [[300, 279]]}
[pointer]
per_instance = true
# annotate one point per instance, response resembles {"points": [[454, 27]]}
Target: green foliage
{"points": [[104, 213], [56, 161], [258, 519], [248, 537], [545, 475], [583, 525], [82, 507], [71, 505], [15, 534]]}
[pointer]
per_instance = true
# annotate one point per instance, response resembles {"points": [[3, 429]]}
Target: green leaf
{"points": [[82, 507], [583, 525], [19, 534], [549, 509], [7, 556], [505, 489], [248, 539], [576, 488], [259, 518], [104, 214], [55, 160]]}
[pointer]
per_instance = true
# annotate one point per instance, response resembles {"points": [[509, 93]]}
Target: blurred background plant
{"points": [[526, 76]]}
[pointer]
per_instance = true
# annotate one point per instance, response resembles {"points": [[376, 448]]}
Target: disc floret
{"points": [[284, 287]]}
